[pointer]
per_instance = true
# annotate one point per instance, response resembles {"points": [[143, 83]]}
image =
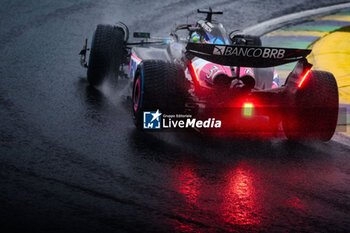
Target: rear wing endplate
{"points": [[246, 56]]}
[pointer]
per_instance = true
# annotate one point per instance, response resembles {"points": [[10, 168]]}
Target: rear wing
{"points": [[247, 56]]}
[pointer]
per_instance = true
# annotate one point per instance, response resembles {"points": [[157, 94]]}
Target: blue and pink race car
{"points": [[204, 71]]}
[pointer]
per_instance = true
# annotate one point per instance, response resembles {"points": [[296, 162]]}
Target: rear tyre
{"points": [[106, 53], [316, 113], [158, 85]]}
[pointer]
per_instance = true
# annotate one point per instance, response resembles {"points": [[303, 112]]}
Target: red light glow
{"points": [[296, 203], [194, 72], [241, 205], [303, 79]]}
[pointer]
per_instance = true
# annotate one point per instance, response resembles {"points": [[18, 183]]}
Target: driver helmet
{"points": [[195, 37], [211, 39]]}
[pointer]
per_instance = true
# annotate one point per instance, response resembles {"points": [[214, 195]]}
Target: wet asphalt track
{"points": [[72, 161]]}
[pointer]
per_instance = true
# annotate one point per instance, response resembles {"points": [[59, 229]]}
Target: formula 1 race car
{"points": [[202, 70]]}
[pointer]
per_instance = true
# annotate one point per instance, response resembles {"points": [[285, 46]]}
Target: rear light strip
{"points": [[303, 79]]}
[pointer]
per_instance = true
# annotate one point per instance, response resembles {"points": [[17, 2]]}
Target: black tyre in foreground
{"points": [[316, 109], [158, 85], [106, 53]]}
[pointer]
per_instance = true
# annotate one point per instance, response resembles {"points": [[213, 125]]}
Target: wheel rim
{"points": [[136, 95]]}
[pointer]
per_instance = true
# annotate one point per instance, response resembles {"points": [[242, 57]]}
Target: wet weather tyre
{"points": [[106, 53], [158, 85], [315, 113]]}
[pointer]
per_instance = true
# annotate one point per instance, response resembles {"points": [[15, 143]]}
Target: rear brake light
{"points": [[248, 109], [193, 73], [303, 79]]}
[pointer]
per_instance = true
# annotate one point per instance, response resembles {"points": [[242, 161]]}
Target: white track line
{"points": [[272, 24]]}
